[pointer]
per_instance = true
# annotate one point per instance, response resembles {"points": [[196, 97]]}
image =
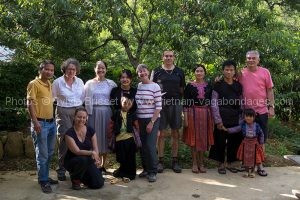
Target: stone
{"points": [[13, 147], [28, 147]]}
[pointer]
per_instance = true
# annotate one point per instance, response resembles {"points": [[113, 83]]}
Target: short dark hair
{"points": [[228, 63], [127, 72], [249, 112], [69, 61], [44, 63], [199, 65]]}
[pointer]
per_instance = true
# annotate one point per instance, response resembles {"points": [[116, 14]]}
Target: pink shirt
{"points": [[255, 85]]}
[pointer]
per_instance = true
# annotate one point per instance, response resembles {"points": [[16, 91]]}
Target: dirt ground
{"points": [[278, 185]]}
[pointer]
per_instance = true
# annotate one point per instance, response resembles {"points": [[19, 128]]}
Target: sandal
{"points": [[195, 169], [251, 175], [202, 169], [115, 180], [246, 175], [126, 180], [222, 170], [232, 169], [262, 172]]}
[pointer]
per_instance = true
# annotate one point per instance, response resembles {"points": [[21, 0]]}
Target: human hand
{"points": [[220, 126], [37, 127], [218, 78], [149, 127], [271, 112]]}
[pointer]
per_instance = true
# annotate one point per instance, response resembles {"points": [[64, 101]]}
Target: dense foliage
{"points": [[125, 33]]}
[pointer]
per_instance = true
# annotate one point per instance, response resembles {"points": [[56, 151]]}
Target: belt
{"points": [[45, 120]]}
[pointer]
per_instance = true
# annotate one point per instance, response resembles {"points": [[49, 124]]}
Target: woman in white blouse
{"points": [[68, 90], [97, 104]]}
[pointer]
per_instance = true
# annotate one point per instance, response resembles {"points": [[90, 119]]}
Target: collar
{"points": [[162, 66], [48, 84]]}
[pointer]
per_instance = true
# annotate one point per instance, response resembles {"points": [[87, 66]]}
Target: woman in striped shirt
{"points": [[148, 100]]}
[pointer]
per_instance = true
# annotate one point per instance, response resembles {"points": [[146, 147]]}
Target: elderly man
{"points": [[258, 92]]}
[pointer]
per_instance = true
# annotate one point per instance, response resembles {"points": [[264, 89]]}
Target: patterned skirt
{"points": [[199, 133], [250, 152]]}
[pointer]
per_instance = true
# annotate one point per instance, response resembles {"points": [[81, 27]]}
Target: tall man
{"points": [[172, 82], [43, 130], [258, 92]]}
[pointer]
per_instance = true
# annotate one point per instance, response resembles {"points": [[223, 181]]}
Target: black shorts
{"points": [[171, 115]]}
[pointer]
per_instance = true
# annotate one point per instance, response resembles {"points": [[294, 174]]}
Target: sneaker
{"points": [[76, 184], [46, 188], [160, 167], [61, 177], [176, 168], [143, 174], [151, 178], [52, 181]]}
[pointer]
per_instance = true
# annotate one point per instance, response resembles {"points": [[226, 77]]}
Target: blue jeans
{"points": [[44, 143], [148, 150]]}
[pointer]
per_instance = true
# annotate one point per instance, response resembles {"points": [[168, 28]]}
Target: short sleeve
{"points": [[269, 82], [31, 91]]}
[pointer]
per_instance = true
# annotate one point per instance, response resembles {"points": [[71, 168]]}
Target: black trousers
{"points": [[125, 155], [83, 168], [226, 146], [262, 120]]}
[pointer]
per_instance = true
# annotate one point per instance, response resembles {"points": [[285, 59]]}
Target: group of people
{"points": [[226, 117]]}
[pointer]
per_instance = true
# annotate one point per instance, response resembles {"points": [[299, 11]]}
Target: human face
{"points": [[143, 74], [47, 72], [249, 119], [168, 58], [126, 103], [125, 80], [100, 70], [252, 60], [70, 71], [80, 118], [199, 73], [229, 72]]}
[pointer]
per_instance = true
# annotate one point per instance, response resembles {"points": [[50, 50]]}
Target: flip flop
{"points": [[251, 175], [115, 181], [246, 175], [262, 172], [126, 180]]}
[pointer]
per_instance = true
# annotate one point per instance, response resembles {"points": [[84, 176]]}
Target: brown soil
{"points": [[26, 164]]}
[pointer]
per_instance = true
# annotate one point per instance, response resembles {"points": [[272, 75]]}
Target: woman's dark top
{"points": [[85, 145], [117, 93], [191, 95]]}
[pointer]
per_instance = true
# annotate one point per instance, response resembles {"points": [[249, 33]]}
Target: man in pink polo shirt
{"points": [[258, 92]]}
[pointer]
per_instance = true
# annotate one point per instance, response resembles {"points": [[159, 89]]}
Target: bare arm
{"points": [[72, 146], [270, 95], [32, 113]]}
